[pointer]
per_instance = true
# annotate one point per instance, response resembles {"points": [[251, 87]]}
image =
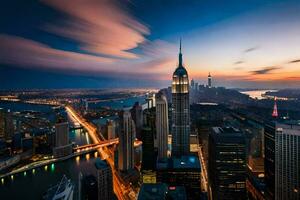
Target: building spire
{"points": [[180, 55], [275, 112]]}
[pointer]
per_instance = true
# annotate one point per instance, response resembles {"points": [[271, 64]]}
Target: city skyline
{"points": [[113, 44]]}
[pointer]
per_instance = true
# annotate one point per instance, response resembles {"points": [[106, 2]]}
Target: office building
{"points": [[209, 81], [111, 129], [137, 117], [180, 110], [9, 127], [287, 161], [2, 124], [181, 171], [162, 125], [126, 142], [62, 145], [161, 191], [269, 160], [104, 180], [148, 158], [227, 164]]}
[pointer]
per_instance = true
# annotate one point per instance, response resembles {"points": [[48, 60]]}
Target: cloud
{"points": [[265, 70], [18, 51], [238, 62], [100, 26], [294, 61], [251, 49]]}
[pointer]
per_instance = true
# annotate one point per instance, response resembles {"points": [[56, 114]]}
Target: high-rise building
{"points": [[155, 191], [2, 124], [111, 129], [181, 171], [209, 80], [269, 160], [192, 84], [104, 179], [162, 125], [137, 117], [62, 145], [148, 158], [227, 163], [9, 127], [180, 110], [287, 161], [126, 142]]}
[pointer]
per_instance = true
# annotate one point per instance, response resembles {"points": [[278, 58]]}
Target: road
{"points": [[121, 189]]}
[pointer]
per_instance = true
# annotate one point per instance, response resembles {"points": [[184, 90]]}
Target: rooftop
{"points": [[183, 162], [155, 191]]}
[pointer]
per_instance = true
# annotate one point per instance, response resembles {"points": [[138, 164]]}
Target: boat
{"points": [[64, 190]]}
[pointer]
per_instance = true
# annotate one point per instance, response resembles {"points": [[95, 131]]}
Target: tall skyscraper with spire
{"points": [[180, 110], [209, 80], [275, 112]]}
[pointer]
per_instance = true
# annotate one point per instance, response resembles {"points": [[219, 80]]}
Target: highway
{"points": [[121, 189]]}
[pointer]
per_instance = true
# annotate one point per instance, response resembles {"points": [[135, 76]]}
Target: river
{"points": [[257, 94], [32, 184]]}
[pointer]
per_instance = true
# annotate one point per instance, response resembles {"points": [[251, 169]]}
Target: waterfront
{"points": [[257, 94], [32, 184]]}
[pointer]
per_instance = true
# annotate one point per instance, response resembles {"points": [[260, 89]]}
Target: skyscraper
{"points": [[180, 111], [287, 161], [2, 124], [105, 180], [269, 160], [126, 142], [162, 125], [62, 145], [209, 80], [227, 163], [192, 84], [137, 117], [9, 125], [111, 129]]}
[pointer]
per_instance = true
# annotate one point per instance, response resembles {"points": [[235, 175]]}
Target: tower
{"points": [[126, 141], [104, 179], [162, 125], [287, 161], [275, 112], [180, 110], [209, 80]]}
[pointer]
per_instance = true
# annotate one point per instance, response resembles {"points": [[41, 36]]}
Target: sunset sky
{"points": [[134, 43]]}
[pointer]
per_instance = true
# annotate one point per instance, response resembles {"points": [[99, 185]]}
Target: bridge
{"points": [[101, 144], [121, 187]]}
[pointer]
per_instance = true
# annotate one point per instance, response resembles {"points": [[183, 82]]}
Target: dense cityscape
{"points": [[73, 128]]}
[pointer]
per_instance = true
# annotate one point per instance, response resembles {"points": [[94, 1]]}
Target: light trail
{"points": [[120, 189]]}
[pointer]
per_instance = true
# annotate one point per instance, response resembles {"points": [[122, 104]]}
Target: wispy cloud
{"points": [[265, 70], [251, 49], [100, 26], [238, 62], [294, 61], [18, 51]]}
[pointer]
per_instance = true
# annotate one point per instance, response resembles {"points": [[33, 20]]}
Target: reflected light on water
{"points": [[52, 167], [46, 167], [87, 138], [87, 157], [77, 160]]}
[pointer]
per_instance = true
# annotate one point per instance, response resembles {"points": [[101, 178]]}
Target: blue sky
{"points": [[100, 43]]}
